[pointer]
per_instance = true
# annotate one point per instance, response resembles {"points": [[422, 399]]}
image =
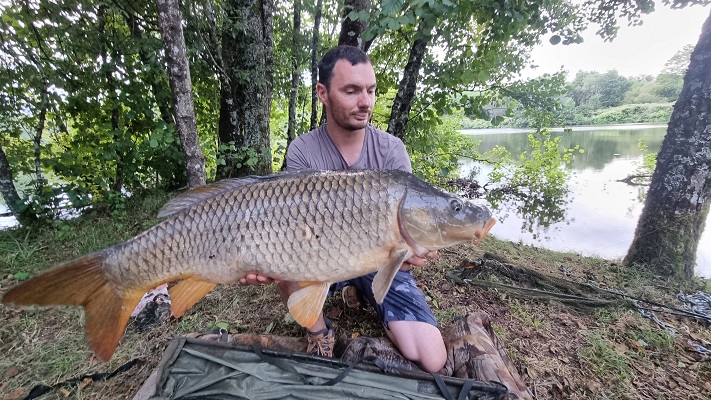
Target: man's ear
{"points": [[322, 93]]}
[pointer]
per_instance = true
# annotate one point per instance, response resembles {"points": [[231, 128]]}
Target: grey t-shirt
{"points": [[316, 150]]}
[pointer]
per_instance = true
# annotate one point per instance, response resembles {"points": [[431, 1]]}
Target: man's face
{"points": [[351, 98]]}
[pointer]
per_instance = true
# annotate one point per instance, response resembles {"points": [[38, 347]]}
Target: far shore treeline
{"points": [[602, 98]]}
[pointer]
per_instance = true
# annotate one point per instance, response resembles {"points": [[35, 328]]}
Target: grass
{"points": [[559, 352], [604, 357]]}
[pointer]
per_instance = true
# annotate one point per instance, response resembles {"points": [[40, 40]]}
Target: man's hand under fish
{"points": [[414, 261]]}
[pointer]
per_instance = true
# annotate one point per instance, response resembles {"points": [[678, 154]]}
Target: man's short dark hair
{"points": [[352, 54]]}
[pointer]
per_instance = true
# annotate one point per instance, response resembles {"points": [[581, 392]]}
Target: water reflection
{"points": [[6, 219], [601, 214]]}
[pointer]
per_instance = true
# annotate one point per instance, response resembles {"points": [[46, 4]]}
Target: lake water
{"points": [[601, 214]]}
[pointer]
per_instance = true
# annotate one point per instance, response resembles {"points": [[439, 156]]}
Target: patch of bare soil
{"points": [[561, 352]]}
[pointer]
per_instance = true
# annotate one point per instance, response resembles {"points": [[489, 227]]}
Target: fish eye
{"points": [[456, 205]]}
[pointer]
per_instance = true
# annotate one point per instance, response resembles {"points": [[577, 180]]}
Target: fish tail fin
{"points": [[82, 282]]}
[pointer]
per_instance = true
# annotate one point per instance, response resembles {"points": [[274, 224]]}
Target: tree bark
{"points": [[352, 31], [7, 187], [245, 107], [112, 89], [406, 89], [171, 30], [293, 94], [674, 215]]}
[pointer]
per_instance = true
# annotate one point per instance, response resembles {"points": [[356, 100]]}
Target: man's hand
{"points": [[417, 261], [257, 279]]}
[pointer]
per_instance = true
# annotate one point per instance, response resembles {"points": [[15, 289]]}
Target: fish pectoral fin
{"points": [[186, 293], [306, 304], [384, 278]]}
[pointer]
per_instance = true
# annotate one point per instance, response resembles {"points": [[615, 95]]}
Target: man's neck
{"points": [[349, 143]]}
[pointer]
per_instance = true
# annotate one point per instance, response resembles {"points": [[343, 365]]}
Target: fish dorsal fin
{"points": [[306, 304], [190, 198], [384, 278]]}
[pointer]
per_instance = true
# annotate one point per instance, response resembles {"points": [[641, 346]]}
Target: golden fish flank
{"points": [[315, 228]]}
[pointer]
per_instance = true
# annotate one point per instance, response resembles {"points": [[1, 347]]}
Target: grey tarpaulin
{"points": [[202, 369]]}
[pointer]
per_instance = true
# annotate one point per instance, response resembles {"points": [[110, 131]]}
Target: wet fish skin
{"points": [[315, 228]]}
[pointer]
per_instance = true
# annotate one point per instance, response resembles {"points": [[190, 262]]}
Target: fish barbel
{"points": [[315, 228]]}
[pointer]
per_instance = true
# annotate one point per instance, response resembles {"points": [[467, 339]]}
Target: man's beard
{"points": [[344, 120]]}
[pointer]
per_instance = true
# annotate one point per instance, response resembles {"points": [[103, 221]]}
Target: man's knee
{"points": [[420, 343]]}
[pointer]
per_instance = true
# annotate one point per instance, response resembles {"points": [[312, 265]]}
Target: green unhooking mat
{"points": [[204, 369]]}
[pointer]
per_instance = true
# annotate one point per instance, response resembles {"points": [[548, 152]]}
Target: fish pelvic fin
{"points": [[306, 304], [385, 275], [186, 293], [82, 282]]}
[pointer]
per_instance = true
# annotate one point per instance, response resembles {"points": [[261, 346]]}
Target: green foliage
{"points": [[468, 123], [102, 133], [435, 152], [534, 183], [633, 113], [243, 156], [679, 63], [649, 159], [668, 86], [596, 90]]}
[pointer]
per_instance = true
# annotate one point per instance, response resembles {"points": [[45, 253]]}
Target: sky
{"points": [[638, 50]]}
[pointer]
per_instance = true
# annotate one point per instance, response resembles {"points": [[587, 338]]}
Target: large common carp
{"points": [[315, 228]]}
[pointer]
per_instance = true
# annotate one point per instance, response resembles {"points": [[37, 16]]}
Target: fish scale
{"points": [[315, 228]]}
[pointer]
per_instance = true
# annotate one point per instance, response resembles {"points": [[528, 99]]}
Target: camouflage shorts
{"points": [[404, 301]]}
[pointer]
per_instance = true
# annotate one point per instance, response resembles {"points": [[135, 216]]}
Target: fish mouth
{"points": [[478, 236]]}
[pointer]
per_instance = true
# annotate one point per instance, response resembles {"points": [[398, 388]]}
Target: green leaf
{"points": [[269, 328], [484, 75], [21, 276]]}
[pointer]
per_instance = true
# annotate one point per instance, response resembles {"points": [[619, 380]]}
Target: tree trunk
{"points": [[7, 187], [245, 107], [112, 89], [352, 31], [406, 89], [181, 86], [293, 94], [314, 65], [674, 215]]}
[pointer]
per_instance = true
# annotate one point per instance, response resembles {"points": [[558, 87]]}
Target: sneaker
{"points": [[321, 343], [351, 298]]}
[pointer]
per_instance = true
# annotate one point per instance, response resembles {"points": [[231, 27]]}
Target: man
{"points": [[348, 141]]}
